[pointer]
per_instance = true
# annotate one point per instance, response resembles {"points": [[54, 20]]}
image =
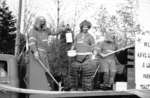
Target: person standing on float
{"points": [[108, 63], [83, 66], [39, 47]]}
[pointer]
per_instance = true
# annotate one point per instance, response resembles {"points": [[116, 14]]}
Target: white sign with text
{"points": [[142, 62]]}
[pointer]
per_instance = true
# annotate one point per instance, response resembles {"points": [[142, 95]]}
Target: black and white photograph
{"points": [[74, 49]]}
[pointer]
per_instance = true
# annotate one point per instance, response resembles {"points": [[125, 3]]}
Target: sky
{"points": [[86, 9], [144, 15]]}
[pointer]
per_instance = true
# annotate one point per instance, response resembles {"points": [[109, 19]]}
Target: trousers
{"points": [[82, 72], [109, 70]]}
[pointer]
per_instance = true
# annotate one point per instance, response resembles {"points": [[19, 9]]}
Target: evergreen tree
{"points": [[7, 27]]}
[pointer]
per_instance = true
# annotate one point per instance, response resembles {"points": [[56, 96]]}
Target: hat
{"points": [[85, 23], [38, 21]]}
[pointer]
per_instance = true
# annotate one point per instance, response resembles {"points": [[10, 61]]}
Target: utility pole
{"points": [[17, 43], [58, 13], [75, 15], [25, 20]]}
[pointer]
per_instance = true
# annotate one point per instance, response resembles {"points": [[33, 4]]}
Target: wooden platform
{"points": [[74, 94]]}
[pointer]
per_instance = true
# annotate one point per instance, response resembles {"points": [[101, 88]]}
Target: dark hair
{"points": [[85, 22]]}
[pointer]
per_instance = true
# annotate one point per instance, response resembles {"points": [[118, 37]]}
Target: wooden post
{"points": [[17, 43]]}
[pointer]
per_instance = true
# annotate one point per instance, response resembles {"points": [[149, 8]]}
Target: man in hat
{"points": [[108, 64], [83, 66]]}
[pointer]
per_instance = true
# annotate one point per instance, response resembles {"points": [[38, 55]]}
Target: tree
{"points": [[7, 27], [102, 19], [59, 61], [127, 19]]}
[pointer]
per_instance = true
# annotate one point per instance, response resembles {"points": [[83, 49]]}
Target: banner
{"points": [[142, 62]]}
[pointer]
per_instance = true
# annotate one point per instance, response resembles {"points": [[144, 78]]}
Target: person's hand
{"points": [[95, 51], [72, 48], [109, 51], [36, 55]]}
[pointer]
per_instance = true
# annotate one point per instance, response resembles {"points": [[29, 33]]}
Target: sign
{"points": [[120, 86], [142, 62], [69, 37]]}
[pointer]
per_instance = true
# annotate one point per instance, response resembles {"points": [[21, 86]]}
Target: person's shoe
{"points": [[106, 87], [73, 89], [102, 86], [50, 88], [80, 89]]}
